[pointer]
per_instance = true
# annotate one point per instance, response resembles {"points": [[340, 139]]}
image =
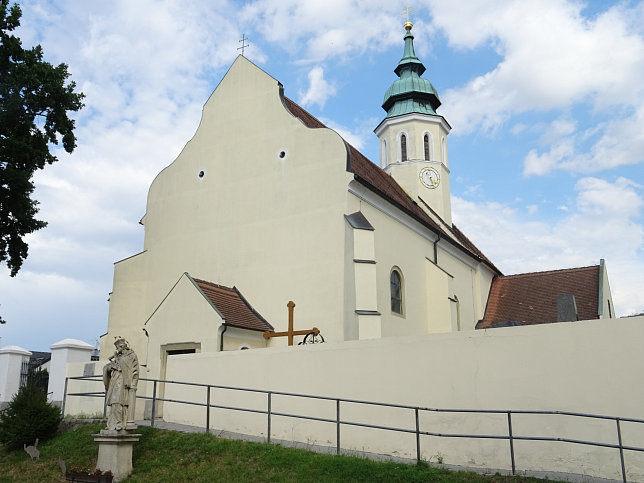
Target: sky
{"points": [[545, 99]]}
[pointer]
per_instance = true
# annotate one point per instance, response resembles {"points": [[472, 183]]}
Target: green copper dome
{"points": [[411, 93]]}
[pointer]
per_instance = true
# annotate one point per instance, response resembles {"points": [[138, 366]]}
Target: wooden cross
{"points": [[290, 332], [244, 44]]}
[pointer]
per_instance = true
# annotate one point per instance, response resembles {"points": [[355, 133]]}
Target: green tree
{"points": [[34, 101]]}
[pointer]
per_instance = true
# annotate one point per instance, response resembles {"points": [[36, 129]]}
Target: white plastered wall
{"points": [[581, 367], [469, 280], [270, 225], [607, 308], [84, 406], [184, 317], [414, 125], [406, 244]]}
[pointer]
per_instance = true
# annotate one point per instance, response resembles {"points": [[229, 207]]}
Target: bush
{"points": [[27, 417]]}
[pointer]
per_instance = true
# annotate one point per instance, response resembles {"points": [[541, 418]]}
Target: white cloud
{"points": [[602, 225], [316, 30], [553, 58], [616, 142], [540, 164], [319, 89], [27, 302], [599, 198]]}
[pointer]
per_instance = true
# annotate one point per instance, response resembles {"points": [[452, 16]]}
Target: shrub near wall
{"points": [[27, 417]]}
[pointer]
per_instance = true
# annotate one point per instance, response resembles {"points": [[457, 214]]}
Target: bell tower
{"points": [[413, 137]]}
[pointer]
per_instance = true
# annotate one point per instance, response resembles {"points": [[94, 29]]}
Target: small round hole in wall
{"points": [[282, 154], [201, 174]]}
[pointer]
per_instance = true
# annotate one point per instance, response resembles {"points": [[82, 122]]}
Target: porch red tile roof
{"points": [[232, 305]]}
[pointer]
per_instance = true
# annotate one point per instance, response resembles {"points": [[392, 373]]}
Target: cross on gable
{"points": [[290, 332], [243, 44]]}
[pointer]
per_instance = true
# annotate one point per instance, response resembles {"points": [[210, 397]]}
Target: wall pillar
{"points": [[11, 359], [365, 280], [62, 353]]}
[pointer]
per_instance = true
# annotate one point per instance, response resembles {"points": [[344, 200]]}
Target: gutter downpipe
{"points": [[436, 248], [221, 337]]}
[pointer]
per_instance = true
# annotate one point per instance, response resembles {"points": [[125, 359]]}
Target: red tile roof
{"points": [[232, 305], [531, 298], [380, 182]]}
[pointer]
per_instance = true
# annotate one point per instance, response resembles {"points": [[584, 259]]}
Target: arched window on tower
{"points": [[403, 147], [426, 146], [397, 293]]}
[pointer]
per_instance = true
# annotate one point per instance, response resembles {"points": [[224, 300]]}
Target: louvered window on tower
{"points": [[403, 147], [426, 143]]}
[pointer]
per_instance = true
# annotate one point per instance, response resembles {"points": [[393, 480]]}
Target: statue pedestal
{"points": [[115, 452]]}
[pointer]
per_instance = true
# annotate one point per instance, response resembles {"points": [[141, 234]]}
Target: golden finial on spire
{"points": [[406, 11]]}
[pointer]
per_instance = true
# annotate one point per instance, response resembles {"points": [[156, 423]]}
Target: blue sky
{"points": [[545, 99]]}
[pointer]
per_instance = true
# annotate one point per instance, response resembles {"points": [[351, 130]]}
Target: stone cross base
{"points": [[115, 452]]}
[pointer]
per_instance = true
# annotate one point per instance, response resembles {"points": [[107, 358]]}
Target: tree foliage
{"points": [[27, 417], [34, 101]]}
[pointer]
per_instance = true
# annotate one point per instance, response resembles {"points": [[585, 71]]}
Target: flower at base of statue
{"points": [[81, 470], [86, 475]]}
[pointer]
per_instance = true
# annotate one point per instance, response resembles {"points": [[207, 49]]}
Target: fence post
{"points": [[62, 409], [511, 441], [208, 410], [337, 423], [621, 449], [154, 402], [417, 436], [268, 412]]}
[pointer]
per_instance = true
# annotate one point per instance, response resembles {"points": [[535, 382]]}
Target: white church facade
{"points": [[266, 205]]}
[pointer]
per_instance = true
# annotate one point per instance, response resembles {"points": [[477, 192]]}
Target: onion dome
{"points": [[411, 93]]}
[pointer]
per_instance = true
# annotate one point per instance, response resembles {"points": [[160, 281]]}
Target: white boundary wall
{"points": [[589, 367], [84, 406]]}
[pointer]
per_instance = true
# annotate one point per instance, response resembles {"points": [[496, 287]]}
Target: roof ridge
{"points": [[251, 308], [307, 113], [212, 284], [545, 272]]}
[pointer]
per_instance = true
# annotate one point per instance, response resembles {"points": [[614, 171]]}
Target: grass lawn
{"points": [[170, 456]]}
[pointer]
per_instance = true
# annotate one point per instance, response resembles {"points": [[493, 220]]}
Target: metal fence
{"points": [[31, 371], [339, 422]]}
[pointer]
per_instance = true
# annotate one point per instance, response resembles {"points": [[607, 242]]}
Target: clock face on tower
{"points": [[430, 177]]}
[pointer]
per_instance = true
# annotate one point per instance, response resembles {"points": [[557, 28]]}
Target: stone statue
{"points": [[121, 376]]}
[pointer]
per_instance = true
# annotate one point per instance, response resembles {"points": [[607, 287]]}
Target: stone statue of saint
{"points": [[121, 376]]}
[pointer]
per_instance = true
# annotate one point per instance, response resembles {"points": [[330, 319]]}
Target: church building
{"points": [[266, 205]]}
